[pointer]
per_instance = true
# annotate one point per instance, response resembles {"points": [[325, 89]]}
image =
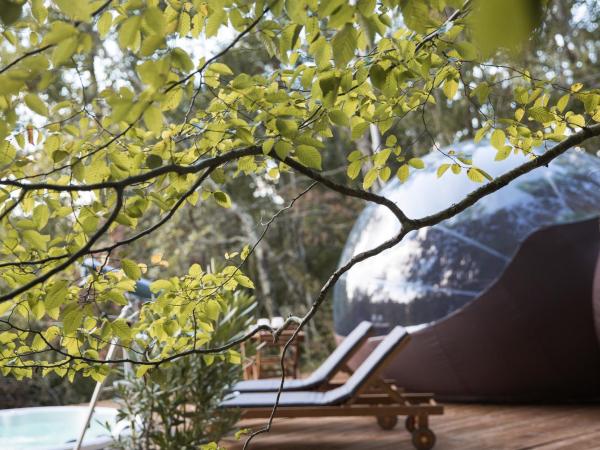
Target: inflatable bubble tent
{"points": [[473, 288]]}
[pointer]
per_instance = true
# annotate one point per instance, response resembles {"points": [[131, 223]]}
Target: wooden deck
{"points": [[462, 427]]}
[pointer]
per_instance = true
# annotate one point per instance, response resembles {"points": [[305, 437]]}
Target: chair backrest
{"points": [[372, 366], [342, 353]]}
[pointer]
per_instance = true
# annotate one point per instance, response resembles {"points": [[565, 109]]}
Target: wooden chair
{"points": [[365, 393], [320, 379]]}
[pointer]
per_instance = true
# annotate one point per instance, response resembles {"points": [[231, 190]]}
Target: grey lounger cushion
{"points": [[335, 396], [320, 376]]}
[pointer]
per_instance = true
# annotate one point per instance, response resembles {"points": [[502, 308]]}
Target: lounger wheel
{"points": [[410, 423], [387, 422], [423, 439]]}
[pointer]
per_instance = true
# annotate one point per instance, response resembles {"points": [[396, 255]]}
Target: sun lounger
{"points": [[363, 394], [320, 378]]}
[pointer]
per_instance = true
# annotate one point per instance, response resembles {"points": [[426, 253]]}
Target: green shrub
{"points": [[175, 407]]}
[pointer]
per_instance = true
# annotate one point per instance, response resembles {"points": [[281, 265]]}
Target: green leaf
{"points": [[576, 87], [142, 370], [322, 52], [64, 51], [220, 68], [296, 10], [576, 119], [370, 178], [57, 294], [519, 113], [38, 343], [149, 46], [104, 24], [354, 169], [232, 356], [267, 146], [417, 163], [416, 15], [160, 285], [338, 117], [41, 214], [366, 7], [212, 309], [36, 240], [403, 172], [541, 114], [244, 281], [78, 10], [36, 104], [287, 128], [476, 175], [450, 88], [329, 87], [10, 12], [498, 139], [479, 135], [442, 169], [380, 158], [289, 40], [358, 128], [504, 24], [153, 119], [309, 156], [59, 31], [72, 321], [185, 24], [482, 92], [503, 153], [195, 270], [344, 45], [283, 149], [121, 329], [563, 102], [467, 50], [129, 31], [215, 20], [39, 10], [155, 19], [153, 161], [116, 297], [385, 173], [7, 153], [131, 269], [222, 199]]}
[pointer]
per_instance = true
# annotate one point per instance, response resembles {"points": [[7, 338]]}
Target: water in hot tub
{"points": [[53, 428]]}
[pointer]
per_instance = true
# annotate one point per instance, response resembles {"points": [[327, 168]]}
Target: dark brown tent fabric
{"points": [[532, 336], [596, 296]]}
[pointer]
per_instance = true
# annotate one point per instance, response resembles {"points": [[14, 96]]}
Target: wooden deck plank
{"points": [[463, 427]]}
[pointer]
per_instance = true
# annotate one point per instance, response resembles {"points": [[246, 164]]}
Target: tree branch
{"points": [[136, 179], [345, 190]]}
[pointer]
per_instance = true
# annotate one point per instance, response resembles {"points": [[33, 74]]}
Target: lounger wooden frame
{"points": [[375, 397]]}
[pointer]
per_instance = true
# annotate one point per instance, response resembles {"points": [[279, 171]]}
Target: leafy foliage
{"points": [[104, 156], [176, 408]]}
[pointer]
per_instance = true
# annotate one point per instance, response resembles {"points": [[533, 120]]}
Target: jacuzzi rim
{"points": [[95, 443]]}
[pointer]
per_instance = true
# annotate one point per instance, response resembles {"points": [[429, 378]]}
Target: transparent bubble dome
{"points": [[435, 271]]}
